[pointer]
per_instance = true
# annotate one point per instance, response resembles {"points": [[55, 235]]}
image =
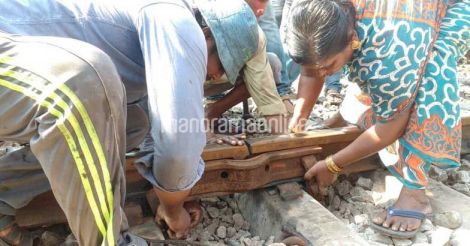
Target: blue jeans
{"points": [[332, 82], [270, 27]]}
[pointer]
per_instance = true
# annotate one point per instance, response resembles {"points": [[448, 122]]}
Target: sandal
{"points": [[402, 213]]}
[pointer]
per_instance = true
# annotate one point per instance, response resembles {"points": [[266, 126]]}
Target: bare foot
{"points": [[408, 199], [177, 219]]}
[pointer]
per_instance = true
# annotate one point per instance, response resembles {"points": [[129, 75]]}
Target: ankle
{"points": [[416, 194]]}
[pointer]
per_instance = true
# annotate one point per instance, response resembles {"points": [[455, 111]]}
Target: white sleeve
{"points": [[175, 56]]}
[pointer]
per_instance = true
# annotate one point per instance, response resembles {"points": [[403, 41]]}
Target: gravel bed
{"points": [[223, 224], [356, 198], [352, 199]]}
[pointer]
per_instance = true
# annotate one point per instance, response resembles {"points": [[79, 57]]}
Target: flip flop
{"points": [[402, 213]]}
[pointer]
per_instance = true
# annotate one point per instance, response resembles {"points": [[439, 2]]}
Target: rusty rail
{"points": [[259, 163]]}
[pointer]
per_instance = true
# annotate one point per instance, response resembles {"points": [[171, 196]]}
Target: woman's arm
{"points": [[372, 140], [310, 85]]}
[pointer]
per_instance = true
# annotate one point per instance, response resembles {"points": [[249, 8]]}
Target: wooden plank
{"points": [[220, 177], [310, 138], [231, 176], [465, 135], [42, 210], [134, 213], [218, 151], [136, 184], [282, 162], [465, 120]]}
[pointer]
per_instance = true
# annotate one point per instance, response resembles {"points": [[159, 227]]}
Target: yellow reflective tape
{"points": [[48, 91], [110, 232], [71, 143], [96, 144], [95, 140], [99, 152]]}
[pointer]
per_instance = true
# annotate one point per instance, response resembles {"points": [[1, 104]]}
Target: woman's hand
{"points": [[319, 178], [310, 86]]}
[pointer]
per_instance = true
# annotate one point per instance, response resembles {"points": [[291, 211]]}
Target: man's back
{"points": [[111, 25]]}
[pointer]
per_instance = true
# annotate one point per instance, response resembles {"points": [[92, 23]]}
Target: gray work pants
{"points": [[64, 101]]}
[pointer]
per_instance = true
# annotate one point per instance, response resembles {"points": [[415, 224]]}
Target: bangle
{"points": [[331, 165]]}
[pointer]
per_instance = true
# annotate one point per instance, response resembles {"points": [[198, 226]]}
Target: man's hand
{"points": [[235, 140]]}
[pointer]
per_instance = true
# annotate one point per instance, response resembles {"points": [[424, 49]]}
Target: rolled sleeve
{"points": [[260, 83], [175, 57]]}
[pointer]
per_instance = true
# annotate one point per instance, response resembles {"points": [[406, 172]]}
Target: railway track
{"points": [[260, 162]]}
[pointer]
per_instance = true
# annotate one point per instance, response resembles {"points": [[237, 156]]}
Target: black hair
{"points": [[200, 20], [319, 29]]}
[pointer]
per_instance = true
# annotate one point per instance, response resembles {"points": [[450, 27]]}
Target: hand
{"points": [[322, 177], [226, 139], [297, 124], [278, 123], [195, 212], [176, 219]]}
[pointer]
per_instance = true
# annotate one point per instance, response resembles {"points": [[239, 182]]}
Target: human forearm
{"points": [[308, 92], [235, 96], [372, 140]]}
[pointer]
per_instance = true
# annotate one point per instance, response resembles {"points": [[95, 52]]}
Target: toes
{"points": [[413, 224], [380, 218], [403, 227], [396, 225], [388, 222]]}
